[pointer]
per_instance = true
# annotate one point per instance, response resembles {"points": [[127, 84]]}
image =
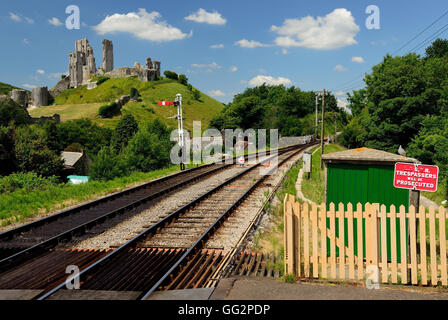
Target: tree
{"points": [[107, 165], [149, 149], [171, 75], [7, 154], [33, 154], [83, 131], [123, 132], [438, 49], [11, 112], [196, 94], [182, 79]]}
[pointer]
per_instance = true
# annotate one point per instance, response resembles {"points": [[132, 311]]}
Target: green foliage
{"points": [[399, 93], [108, 165], [182, 79], [110, 110], [274, 107], [438, 49], [7, 153], [101, 80], [171, 75], [11, 112], [6, 88], [83, 131], [150, 147], [21, 204], [196, 94], [123, 132], [27, 181], [74, 147], [133, 93], [405, 103], [32, 154]]}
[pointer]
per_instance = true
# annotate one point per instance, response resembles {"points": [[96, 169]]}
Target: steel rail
{"points": [[153, 229], [33, 251], [81, 229], [200, 242]]}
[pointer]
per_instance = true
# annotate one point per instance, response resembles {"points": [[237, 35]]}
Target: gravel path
{"points": [[125, 230], [233, 229], [118, 231]]}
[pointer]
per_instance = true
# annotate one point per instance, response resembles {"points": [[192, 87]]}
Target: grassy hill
{"points": [[5, 89], [82, 103]]}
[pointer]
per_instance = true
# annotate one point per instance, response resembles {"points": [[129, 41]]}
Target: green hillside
{"points": [[5, 89], [82, 103]]}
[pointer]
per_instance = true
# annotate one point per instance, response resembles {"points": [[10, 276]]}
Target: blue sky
{"points": [[309, 44]]}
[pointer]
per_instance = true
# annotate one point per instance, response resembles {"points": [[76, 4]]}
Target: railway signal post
{"points": [[180, 125]]}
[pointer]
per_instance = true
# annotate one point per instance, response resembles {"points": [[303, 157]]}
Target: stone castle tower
{"points": [[82, 63], [108, 55]]}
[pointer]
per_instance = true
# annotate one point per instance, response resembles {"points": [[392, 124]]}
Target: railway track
{"points": [[181, 235], [32, 239]]}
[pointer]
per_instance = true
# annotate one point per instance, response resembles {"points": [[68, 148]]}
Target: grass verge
{"points": [[313, 189], [21, 205]]}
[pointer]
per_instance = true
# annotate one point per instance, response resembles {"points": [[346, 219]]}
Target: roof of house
{"points": [[70, 158], [366, 155]]}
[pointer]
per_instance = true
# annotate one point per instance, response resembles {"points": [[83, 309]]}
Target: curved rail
{"points": [[165, 221]]}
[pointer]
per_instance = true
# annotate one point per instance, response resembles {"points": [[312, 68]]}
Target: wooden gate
{"points": [[423, 259]]}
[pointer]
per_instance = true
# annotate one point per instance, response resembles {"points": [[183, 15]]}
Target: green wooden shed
{"points": [[364, 175]]}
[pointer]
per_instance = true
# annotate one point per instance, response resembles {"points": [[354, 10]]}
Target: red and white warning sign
{"points": [[416, 176]]}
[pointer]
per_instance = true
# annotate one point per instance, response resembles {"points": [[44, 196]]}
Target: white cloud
{"points": [[233, 69], [358, 59], [216, 93], [56, 75], [14, 17], [29, 86], [55, 21], [217, 46], [340, 93], [260, 79], [203, 16], [18, 18], [40, 71], [340, 68], [142, 25], [212, 65], [244, 43], [336, 30]]}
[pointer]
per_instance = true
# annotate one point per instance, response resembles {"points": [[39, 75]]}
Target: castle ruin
{"points": [[82, 68]]}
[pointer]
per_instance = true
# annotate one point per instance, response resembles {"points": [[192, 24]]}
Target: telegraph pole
{"points": [[322, 131]]}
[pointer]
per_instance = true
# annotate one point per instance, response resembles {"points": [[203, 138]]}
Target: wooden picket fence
{"points": [[309, 230]]}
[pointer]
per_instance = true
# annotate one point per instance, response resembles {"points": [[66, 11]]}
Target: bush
{"points": [[101, 80], [12, 112], [29, 181], [108, 165], [108, 111], [171, 75], [133, 93], [123, 132], [83, 131], [150, 147], [182, 79], [196, 94], [74, 147], [33, 154]]}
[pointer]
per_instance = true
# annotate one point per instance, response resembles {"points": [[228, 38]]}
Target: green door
{"points": [[353, 183]]}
